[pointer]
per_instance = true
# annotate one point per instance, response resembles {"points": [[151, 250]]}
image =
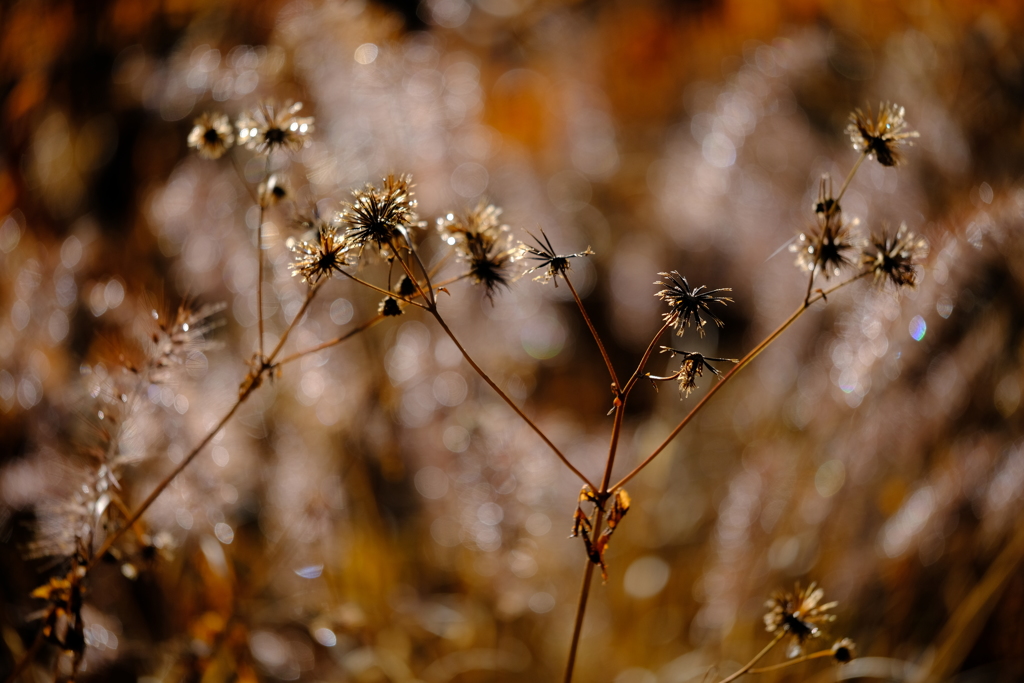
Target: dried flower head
{"points": [[798, 613], [893, 258], [689, 305], [272, 191], [406, 287], [269, 127], [380, 215], [880, 136], [842, 650], [211, 135], [389, 307], [553, 264], [327, 255], [482, 242], [692, 367], [828, 247]]}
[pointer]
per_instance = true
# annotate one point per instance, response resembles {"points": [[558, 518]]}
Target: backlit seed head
{"points": [[689, 306], [211, 135], [880, 136]]}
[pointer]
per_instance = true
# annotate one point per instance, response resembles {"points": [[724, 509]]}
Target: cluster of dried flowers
{"points": [[379, 224]]}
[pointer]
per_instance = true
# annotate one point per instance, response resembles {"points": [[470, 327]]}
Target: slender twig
{"points": [[333, 342], [426, 273], [849, 176], [259, 254], [965, 625], [385, 292], [505, 397], [646, 357], [431, 304], [798, 660], [362, 327], [310, 293], [597, 338], [743, 362], [266, 364], [750, 665], [588, 572], [581, 608]]}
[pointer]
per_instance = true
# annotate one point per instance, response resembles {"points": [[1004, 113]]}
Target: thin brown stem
{"points": [[581, 608], [743, 362], [791, 662], [259, 254], [356, 330], [333, 342], [505, 397], [310, 293], [646, 357], [385, 292], [849, 176], [431, 304], [597, 338], [426, 273], [602, 496], [166, 481], [750, 665]]}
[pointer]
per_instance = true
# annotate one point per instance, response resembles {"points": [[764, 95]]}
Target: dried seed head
{"points": [[842, 650], [389, 307], [406, 287], [380, 215], [553, 264], [323, 257], [482, 242], [211, 135], [269, 127], [828, 247], [687, 305], [894, 258], [272, 191], [798, 613], [692, 367], [880, 136]]}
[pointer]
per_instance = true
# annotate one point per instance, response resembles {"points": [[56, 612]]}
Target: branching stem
{"points": [[744, 362]]}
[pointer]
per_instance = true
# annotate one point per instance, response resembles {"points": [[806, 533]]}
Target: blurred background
{"points": [[376, 513]]}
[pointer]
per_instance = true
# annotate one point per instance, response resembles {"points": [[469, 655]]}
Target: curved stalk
{"points": [[593, 331], [744, 362], [750, 665], [505, 397]]}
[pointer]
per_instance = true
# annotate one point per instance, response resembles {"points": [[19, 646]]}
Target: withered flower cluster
{"points": [[212, 135], [799, 613], [381, 215], [831, 244], [553, 263], [691, 368], [880, 136], [324, 256], [270, 127], [483, 243], [892, 258], [689, 305], [265, 129]]}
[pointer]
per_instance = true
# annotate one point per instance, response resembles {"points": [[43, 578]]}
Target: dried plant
{"points": [[372, 241]]}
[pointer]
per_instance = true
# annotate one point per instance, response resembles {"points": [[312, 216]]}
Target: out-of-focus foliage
{"points": [[375, 513]]}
